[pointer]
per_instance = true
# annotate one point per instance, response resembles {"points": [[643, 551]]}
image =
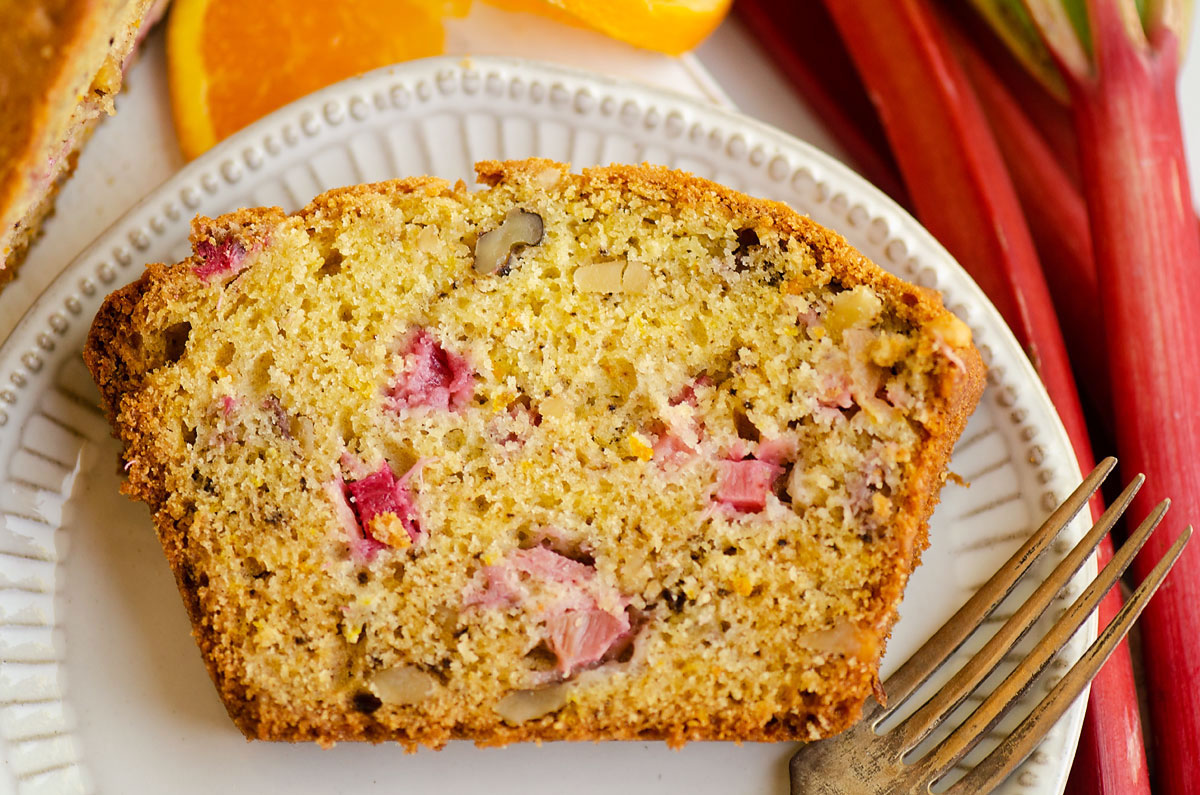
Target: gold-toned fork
{"points": [[863, 760]]}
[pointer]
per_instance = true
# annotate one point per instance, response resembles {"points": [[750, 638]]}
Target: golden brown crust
{"points": [[119, 360], [63, 63]]}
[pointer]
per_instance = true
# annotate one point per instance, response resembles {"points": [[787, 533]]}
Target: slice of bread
{"points": [[63, 62], [616, 455]]}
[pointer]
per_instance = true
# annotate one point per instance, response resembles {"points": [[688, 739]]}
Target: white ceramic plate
{"points": [[101, 688]]}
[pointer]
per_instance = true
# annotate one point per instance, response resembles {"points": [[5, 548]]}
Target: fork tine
{"points": [[918, 726], [926, 660], [972, 730], [1005, 758]]}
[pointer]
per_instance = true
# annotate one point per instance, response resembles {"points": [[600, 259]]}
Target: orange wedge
{"points": [[670, 26], [231, 62]]}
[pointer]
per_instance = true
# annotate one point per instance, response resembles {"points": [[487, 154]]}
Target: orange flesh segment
{"points": [[670, 26], [232, 62], [263, 60]]}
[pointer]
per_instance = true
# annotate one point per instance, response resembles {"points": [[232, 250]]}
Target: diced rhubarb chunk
{"points": [[499, 588], [219, 259], [668, 445], [581, 637], [434, 377], [548, 565], [744, 485], [940, 346], [836, 391], [362, 546], [898, 395], [353, 467], [379, 494], [779, 450], [688, 393], [577, 628], [377, 510]]}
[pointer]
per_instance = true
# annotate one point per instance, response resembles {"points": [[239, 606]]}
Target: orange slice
{"points": [[670, 26], [231, 62]]}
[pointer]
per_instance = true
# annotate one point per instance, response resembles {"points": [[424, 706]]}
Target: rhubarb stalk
{"points": [[1037, 140], [956, 177], [1057, 218], [824, 75], [1107, 762], [1147, 249], [962, 192], [1046, 109]]}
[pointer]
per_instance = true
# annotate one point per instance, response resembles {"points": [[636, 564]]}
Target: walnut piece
{"points": [[856, 307], [844, 638], [522, 705], [616, 276], [494, 249], [554, 406], [402, 684]]}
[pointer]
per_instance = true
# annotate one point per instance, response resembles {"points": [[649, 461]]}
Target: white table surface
{"points": [[134, 152]]}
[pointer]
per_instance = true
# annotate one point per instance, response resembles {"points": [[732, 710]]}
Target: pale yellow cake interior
{"points": [[580, 349]]}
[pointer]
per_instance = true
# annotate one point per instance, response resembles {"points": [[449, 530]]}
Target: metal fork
{"points": [[862, 760]]}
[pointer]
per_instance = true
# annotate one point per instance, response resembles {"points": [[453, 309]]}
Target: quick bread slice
{"points": [[613, 455], [62, 65]]}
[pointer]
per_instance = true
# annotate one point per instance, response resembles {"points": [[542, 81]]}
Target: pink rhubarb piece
{"points": [[219, 259], [582, 637], [778, 451], [501, 588], [744, 485], [688, 393], [380, 493], [548, 565], [435, 377], [668, 445], [577, 630], [375, 494]]}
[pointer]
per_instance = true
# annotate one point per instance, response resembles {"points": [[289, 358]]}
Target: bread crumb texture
{"points": [[612, 455]]}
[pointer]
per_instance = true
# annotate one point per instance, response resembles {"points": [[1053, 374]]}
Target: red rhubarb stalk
{"points": [[1057, 218], [823, 74], [1007, 39], [1106, 762], [1147, 249], [963, 193], [956, 177], [1110, 758]]}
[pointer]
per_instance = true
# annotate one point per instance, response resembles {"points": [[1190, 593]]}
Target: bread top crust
{"points": [[59, 55], [120, 358]]}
